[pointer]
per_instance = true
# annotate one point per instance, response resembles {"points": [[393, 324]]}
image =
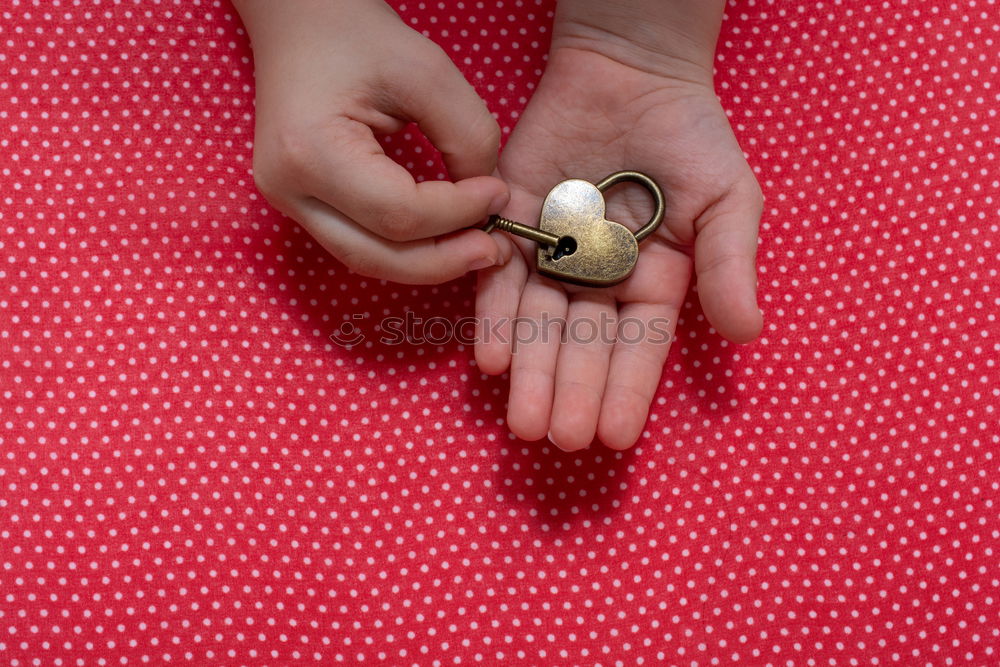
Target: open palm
{"points": [[592, 116]]}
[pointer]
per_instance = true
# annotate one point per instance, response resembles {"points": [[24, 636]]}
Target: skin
{"points": [[607, 103], [628, 85], [330, 76]]}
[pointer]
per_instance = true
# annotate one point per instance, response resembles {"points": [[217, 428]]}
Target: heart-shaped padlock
{"points": [[577, 243], [574, 211]]}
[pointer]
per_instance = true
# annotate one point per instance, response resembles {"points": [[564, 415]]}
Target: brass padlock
{"points": [[577, 244]]}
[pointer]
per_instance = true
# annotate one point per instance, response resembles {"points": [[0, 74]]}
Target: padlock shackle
{"points": [[659, 203]]}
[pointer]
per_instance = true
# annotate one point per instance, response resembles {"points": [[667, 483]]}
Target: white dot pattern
{"points": [[192, 472]]}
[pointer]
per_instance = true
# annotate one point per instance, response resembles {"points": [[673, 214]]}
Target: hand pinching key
{"points": [[577, 244]]}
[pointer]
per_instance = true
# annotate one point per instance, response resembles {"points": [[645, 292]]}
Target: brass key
{"points": [[577, 244]]}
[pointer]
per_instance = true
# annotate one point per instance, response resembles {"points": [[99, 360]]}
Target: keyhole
{"points": [[565, 246]]}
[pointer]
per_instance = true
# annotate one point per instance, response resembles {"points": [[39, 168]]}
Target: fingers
{"points": [[381, 195], [725, 263], [453, 116], [421, 262], [582, 370], [351, 173], [536, 347], [634, 373], [498, 293], [314, 142], [646, 324]]}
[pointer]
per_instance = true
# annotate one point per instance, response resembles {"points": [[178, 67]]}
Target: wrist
{"points": [[669, 38], [274, 23]]}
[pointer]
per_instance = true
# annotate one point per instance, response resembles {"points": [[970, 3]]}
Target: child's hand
{"points": [[596, 112], [331, 74]]}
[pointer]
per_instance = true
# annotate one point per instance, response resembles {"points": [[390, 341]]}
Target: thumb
{"points": [[725, 253]]}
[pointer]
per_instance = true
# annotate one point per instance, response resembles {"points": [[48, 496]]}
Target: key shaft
{"points": [[524, 231]]}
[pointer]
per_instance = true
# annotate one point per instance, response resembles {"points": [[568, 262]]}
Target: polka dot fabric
{"points": [[192, 471]]}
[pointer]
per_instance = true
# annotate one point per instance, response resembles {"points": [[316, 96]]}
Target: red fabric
{"points": [[192, 471]]}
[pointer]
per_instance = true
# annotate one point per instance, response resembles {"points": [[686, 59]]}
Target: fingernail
{"points": [[499, 203], [552, 440], [482, 263]]}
